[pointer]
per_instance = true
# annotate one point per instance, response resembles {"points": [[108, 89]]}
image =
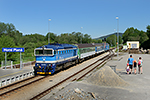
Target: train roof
{"points": [[90, 45], [56, 46], [85, 45]]}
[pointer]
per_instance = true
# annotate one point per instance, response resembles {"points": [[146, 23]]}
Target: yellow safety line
{"points": [[10, 74], [120, 69]]}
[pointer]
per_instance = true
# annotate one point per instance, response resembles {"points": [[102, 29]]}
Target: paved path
{"points": [[6, 73]]}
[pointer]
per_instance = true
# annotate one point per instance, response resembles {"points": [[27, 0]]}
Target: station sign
{"points": [[13, 50]]}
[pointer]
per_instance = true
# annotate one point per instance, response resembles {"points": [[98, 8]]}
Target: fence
{"points": [[12, 79], [11, 66]]}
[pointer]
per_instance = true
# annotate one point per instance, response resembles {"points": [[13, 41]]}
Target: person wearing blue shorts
{"points": [[130, 61]]}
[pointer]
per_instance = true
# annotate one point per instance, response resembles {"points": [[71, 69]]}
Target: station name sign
{"points": [[13, 50]]}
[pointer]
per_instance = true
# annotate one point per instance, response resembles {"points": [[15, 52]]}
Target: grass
{"points": [[24, 60], [101, 66], [80, 80]]}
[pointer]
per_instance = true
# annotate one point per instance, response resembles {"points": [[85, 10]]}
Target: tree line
{"points": [[10, 37]]}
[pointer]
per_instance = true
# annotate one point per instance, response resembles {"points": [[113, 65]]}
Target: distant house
{"points": [[133, 44]]}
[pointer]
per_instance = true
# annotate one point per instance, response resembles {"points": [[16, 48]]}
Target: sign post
{"points": [[5, 59], [13, 50]]}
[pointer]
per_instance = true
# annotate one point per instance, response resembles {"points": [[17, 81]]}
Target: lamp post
{"points": [[81, 35], [117, 34], [115, 37], [49, 30]]}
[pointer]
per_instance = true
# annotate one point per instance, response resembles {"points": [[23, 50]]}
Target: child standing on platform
{"points": [[127, 68], [140, 62]]}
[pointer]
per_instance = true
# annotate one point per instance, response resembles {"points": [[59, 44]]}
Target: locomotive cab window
{"points": [[48, 52], [39, 52], [43, 52]]}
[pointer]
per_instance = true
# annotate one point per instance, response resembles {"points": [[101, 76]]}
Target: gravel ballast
{"points": [[106, 77]]}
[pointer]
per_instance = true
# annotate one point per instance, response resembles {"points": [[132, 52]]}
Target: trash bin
{"points": [[113, 67]]}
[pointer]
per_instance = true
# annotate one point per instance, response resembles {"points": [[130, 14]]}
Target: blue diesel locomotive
{"points": [[53, 57]]}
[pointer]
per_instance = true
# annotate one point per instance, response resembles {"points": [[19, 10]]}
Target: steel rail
{"points": [[12, 84], [26, 84]]}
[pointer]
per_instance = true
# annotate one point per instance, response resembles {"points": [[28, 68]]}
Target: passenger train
{"points": [[53, 57]]}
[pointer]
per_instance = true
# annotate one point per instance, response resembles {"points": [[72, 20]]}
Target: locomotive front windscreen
{"points": [[43, 52], [39, 52]]}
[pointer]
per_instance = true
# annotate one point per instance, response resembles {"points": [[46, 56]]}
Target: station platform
{"points": [[4, 73], [138, 84], [8, 76]]}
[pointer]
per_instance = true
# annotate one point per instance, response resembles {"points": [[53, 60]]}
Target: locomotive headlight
{"points": [[38, 64], [49, 64]]}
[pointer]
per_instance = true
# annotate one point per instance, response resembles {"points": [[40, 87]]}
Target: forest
{"points": [[10, 37]]}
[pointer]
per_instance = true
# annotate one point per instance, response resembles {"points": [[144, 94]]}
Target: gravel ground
{"points": [[106, 77], [76, 94]]}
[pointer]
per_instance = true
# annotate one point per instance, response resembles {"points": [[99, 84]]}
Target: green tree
{"points": [[78, 37], [146, 44], [86, 39], [132, 34], [148, 31], [53, 37], [7, 42], [2, 28], [111, 40], [120, 40], [99, 41], [96, 41], [143, 37]]}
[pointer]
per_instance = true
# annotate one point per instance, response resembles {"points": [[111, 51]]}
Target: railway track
{"points": [[76, 76], [13, 88], [10, 89]]}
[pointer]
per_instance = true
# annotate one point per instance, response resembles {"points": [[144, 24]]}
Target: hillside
{"points": [[103, 37]]}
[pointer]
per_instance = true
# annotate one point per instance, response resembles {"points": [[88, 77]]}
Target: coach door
{"points": [[74, 52]]}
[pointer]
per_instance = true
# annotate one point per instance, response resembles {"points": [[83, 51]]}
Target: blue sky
{"points": [[97, 17]]}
